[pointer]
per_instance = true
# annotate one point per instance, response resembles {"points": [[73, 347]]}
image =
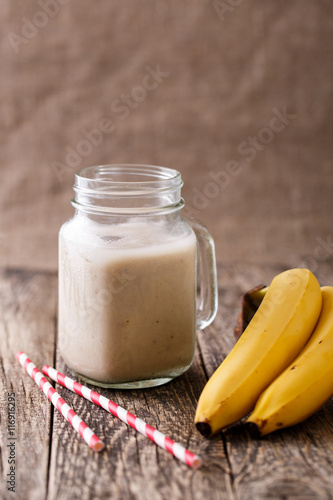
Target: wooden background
{"points": [[227, 69]]}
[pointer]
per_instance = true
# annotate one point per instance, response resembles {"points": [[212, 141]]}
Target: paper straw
{"points": [[90, 438], [139, 425]]}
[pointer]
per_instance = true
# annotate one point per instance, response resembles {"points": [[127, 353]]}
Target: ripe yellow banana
{"points": [[278, 331], [305, 385]]}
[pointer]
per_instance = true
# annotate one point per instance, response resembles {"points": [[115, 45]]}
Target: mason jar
{"points": [[128, 305]]}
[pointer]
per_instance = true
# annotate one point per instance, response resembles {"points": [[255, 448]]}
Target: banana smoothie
{"points": [[127, 313]]}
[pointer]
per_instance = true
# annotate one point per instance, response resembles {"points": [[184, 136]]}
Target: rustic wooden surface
{"points": [[53, 462]]}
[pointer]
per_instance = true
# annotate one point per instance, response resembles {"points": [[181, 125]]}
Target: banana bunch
{"points": [[278, 332], [305, 385]]}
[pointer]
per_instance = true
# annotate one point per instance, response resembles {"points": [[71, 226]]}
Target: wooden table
{"points": [[52, 462]]}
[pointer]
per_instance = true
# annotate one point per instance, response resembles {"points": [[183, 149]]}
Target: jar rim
{"points": [[127, 176], [116, 187]]}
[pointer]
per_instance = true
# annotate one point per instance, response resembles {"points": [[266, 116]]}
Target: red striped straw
{"points": [[90, 438], [139, 425]]}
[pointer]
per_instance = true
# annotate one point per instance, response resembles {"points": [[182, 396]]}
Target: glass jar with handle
{"points": [[128, 307]]}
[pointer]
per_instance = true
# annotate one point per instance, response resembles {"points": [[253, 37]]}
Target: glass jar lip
{"points": [[127, 177], [126, 188]]}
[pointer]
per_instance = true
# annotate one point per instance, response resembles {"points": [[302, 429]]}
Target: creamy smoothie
{"points": [[127, 313]]}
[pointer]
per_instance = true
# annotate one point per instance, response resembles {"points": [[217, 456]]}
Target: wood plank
{"points": [[132, 466], [291, 463], [27, 322]]}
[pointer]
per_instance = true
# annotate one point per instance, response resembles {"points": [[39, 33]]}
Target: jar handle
{"points": [[208, 295]]}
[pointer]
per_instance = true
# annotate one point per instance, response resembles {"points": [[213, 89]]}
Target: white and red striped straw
{"points": [[139, 425], [85, 432]]}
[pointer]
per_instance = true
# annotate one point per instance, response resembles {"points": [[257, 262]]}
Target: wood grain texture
{"points": [[54, 463], [132, 466], [27, 323]]}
